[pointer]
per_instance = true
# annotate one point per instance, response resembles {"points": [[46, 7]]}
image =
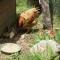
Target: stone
{"points": [[12, 34], [10, 48], [42, 46]]}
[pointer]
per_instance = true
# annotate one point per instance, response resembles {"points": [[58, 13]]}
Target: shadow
{"points": [[6, 39], [34, 30], [19, 52], [22, 31]]}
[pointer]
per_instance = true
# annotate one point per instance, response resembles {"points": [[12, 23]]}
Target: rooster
{"points": [[27, 19]]}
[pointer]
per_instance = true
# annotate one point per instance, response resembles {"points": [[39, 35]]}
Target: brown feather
{"points": [[26, 18]]}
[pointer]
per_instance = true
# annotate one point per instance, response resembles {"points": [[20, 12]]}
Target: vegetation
{"points": [[21, 5], [46, 55]]}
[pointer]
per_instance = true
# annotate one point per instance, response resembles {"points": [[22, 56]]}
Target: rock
{"points": [[23, 36], [42, 46], [10, 48], [12, 34], [54, 45], [39, 47]]}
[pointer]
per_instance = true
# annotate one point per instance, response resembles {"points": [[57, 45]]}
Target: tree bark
{"points": [[51, 11], [46, 14]]}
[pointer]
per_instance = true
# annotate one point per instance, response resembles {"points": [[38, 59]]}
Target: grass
{"points": [[56, 21], [21, 5], [46, 55]]}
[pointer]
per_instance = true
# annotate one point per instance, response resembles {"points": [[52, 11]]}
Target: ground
{"points": [[25, 40]]}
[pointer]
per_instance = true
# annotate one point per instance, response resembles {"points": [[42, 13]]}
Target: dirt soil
{"points": [[25, 40]]}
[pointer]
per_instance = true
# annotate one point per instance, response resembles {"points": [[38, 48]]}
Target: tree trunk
{"points": [[46, 14], [51, 11]]}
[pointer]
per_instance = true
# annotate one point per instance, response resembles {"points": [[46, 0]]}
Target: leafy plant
{"points": [[57, 37], [46, 55]]}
